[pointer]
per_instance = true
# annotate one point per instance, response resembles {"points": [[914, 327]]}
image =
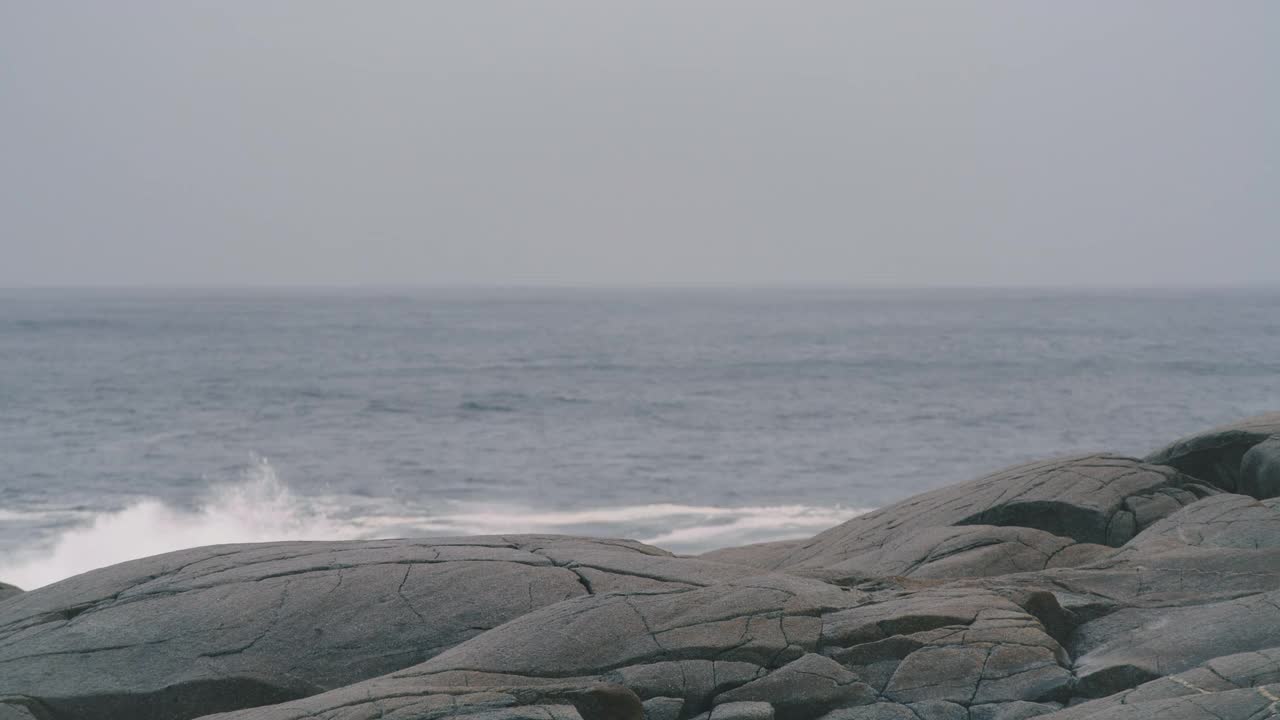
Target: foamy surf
{"points": [[258, 508], [261, 508], [678, 528]]}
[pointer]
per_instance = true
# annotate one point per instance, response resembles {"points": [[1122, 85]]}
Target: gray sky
{"points": [[479, 142]]}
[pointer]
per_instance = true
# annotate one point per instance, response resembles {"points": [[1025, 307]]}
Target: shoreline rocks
{"points": [[1088, 586], [7, 590]]}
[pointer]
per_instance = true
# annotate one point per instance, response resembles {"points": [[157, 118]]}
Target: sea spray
{"points": [[257, 508], [260, 507]]}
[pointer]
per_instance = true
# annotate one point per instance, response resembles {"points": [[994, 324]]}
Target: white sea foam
{"points": [[261, 508], [679, 528], [258, 508]]}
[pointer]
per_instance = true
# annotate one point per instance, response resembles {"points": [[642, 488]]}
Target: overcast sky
{"points": [[736, 142]]}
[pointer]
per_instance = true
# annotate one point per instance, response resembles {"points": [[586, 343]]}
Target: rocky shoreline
{"points": [[1097, 586]]}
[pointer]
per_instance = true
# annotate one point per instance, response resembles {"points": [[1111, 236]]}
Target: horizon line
{"points": [[698, 285]]}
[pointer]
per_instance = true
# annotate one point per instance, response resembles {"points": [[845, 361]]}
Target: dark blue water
{"points": [[133, 421]]}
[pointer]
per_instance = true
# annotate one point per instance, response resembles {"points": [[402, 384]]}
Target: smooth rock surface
{"points": [[1260, 470], [7, 590], [1215, 455], [552, 701], [1091, 499], [218, 628]]}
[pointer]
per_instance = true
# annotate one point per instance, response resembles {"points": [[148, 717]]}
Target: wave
{"points": [[678, 528], [261, 508]]}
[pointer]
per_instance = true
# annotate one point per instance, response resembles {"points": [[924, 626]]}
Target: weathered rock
{"points": [[765, 621], [965, 647], [1215, 456], [219, 628], [1260, 469], [802, 646], [1134, 645], [21, 708], [898, 711], [803, 687], [741, 711], [7, 590], [1232, 672], [1016, 710], [764, 556], [663, 708], [956, 552], [692, 645], [1258, 703], [546, 702], [1093, 499]]}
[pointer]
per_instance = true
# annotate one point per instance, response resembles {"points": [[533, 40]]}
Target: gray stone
{"points": [[22, 708], [964, 551], [803, 688], [1016, 710], [1260, 470], [1232, 672], [742, 711], [1215, 455], [7, 590], [898, 711], [1086, 499], [545, 702], [663, 708], [1133, 645], [1256, 703], [199, 631]]}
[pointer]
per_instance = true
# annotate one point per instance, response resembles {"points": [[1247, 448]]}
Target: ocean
{"points": [[134, 422]]}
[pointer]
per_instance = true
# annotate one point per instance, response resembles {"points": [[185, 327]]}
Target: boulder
{"points": [[1052, 505], [225, 627], [1221, 548], [7, 590], [1215, 456], [957, 552], [1260, 470], [802, 646]]}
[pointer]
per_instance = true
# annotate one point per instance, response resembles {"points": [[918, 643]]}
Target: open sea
{"points": [[136, 422]]}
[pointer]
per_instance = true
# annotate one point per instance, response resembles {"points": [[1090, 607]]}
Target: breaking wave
{"points": [[256, 509], [261, 508]]}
